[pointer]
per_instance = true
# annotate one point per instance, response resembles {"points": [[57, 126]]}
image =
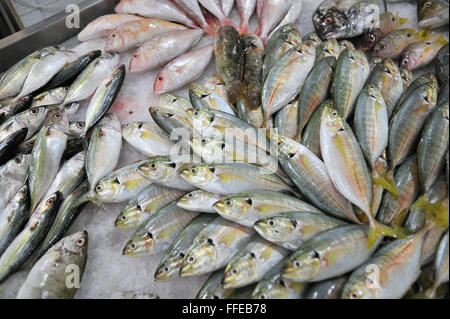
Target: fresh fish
{"points": [[393, 43], [421, 54], [442, 61], [311, 133], [146, 203], [147, 138], [48, 277], [103, 25], [13, 217], [432, 13], [327, 289], [164, 171], [52, 97], [13, 176], [213, 289], [314, 91], [162, 49], [199, 201], [11, 107], [157, 9], [215, 7], [272, 12], [194, 12], [440, 266], [183, 70], [7, 147], [285, 79], [104, 97], [214, 247], [46, 157], [329, 254], [286, 120], [245, 9], [387, 77], [250, 207], [345, 19], [407, 122], [204, 98], [28, 239], [272, 286], [229, 54], [121, 185], [387, 23], [352, 72], [159, 231], [290, 230], [31, 119], [11, 83], [170, 264], [230, 178], [250, 264], [291, 16], [89, 80], [310, 175], [67, 213]]}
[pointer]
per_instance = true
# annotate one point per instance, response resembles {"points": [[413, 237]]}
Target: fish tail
{"points": [[378, 230], [387, 183], [210, 30], [94, 200], [244, 29], [435, 212], [400, 20], [441, 40], [424, 34], [229, 23]]}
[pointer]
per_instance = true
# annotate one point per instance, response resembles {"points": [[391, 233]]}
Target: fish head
{"points": [[239, 271], [200, 119], [140, 244], [107, 187], [382, 49], [76, 128], [35, 114], [346, 44], [159, 86], [381, 164], [158, 168], [391, 67], [192, 199], [115, 41], [332, 24], [199, 175], [170, 268], [332, 122], [409, 60], [303, 266], [198, 92], [430, 93], [358, 289], [209, 148], [76, 243], [370, 39], [70, 109], [44, 209], [129, 216], [137, 62], [275, 227], [287, 148], [199, 258], [111, 59], [58, 123], [428, 12], [314, 37], [111, 121], [307, 48], [293, 37], [234, 207], [328, 48], [173, 102], [374, 92], [406, 76]]}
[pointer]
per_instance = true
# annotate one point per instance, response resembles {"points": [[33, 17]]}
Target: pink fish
{"points": [[227, 6], [194, 12], [103, 25], [245, 9], [215, 7], [292, 15], [272, 12]]}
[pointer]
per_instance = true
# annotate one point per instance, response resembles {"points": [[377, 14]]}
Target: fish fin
{"points": [[424, 34], [388, 185], [244, 29], [441, 40], [400, 20], [94, 200], [400, 219], [378, 230], [436, 212]]}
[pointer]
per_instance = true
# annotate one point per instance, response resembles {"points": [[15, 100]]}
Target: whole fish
{"points": [[104, 149], [44, 70], [183, 70], [11, 107], [213, 289], [147, 138], [311, 132], [286, 120], [442, 61], [440, 266], [215, 7], [13, 217], [387, 77], [103, 25], [393, 43], [245, 9], [164, 171], [314, 91], [433, 146], [352, 72], [104, 97], [345, 19], [13, 176], [327, 289], [162, 49], [159, 231], [199, 201], [51, 97], [285, 79], [250, 264], [31, 119], [194, 12], [29, 238], [214, 247], [228, 51], [329, 254], [272, 286], [146, 203], [170, 264], [408, 186], [157, 9], [11, 83], [310, 175], [89, 80], [204, 98], [121, 185], [272, 12], [250, 207], [407, 122], [397, 265], [67, 213], [290, 230], [432, 14], [291, 16], [48, 277], [387, 23], [7, 147], [135, 33], [421, 54], [230, 178], [46, 157]]}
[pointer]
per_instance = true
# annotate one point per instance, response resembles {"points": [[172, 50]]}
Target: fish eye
{"points": [[328, 20], [123, 217], [153, 166], [372, 38], [203, 141], [405, 61], [427, 4], [50, 201], [113, 35], [58, 116], [193, 170], [271, 222], [133, 246], [191, 260], [34, 111], [80, 125], [190, 195], [196, 113], [234, 271], [99, 188], [262, 296], [382, 46], [80, 242], [354, 295], [334, 114], [166, 269], [228, 203], [30, 143], [135, 56], [160, 78], [296, 264]]}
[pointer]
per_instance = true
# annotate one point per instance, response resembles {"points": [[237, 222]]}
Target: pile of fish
{"points": [[305, 168]]}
